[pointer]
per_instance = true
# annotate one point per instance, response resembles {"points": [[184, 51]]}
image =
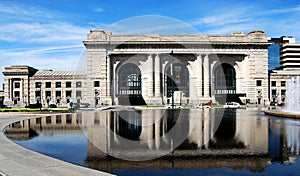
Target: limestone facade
{"points": [[279, 82], [25, 85], [148, 69], [201, 55]]}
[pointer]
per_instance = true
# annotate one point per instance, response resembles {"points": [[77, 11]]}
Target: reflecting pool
{"points": [[167, 142]]}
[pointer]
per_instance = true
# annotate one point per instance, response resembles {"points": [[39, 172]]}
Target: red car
{"points": [[210, 103]]}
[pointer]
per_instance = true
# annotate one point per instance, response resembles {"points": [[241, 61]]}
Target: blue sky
{"points": [[49, 34]]}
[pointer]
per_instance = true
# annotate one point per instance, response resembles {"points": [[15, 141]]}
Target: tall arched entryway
{"points": [[179, 81], [225, 83], [129, 85]]}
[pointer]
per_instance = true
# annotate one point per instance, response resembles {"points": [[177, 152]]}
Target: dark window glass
{"points": [[78, 84], [273, 83], [129, 80], [58, 94], [78, 93], [78, 118], [68, 119], [17, 94], [68, 94], [48, 119], [17, 85], [58, 119], [68, 84], [58, 84], [38, 120], [258, 82], [282, 83], [97, 120], [96, 83], [38, 85], [48, 94], [48, 84]]}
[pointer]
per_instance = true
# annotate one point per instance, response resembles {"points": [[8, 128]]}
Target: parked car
{"points": [[210, 103], [232, 105], [52, 106], [3, 106], [201, 105], [81, 105], [37, 105], [170, 106]]}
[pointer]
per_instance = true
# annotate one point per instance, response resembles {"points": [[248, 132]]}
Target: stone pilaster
{"points": [[150, 76], [115, 84], [199, 74], [157, 76], [206, 81]]}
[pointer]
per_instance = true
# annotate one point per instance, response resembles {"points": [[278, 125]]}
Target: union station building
{"points": [[149, 69]]}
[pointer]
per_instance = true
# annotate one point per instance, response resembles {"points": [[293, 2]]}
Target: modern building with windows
{"points": [[274, 50], [150, 69], [290, 56], [289, 68]]}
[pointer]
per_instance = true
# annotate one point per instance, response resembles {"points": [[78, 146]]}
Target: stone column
{"points": [[212, 80], [109, 136], [115, 83], [157, 76], [157, 120], [199, 74], [206, 75], [164, 80], [206, 129], [9, 88], [21, 91], [147, 129], [150, 76]]}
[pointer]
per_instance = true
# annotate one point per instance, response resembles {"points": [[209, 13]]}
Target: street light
{"points": [[172, 78]]}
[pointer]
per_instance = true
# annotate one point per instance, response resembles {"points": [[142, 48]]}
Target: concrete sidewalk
{"points": [[18, 161]]}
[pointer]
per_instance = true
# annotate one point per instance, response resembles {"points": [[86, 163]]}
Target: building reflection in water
{"points": [[202, 138]]}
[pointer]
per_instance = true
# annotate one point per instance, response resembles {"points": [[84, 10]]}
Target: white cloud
{"points": [[151, 24], [4, 8], [98, 10], [24, 12], [284, 10], [42, 33], [275, 22], [232, 17], [58, 57], [54, 57]]}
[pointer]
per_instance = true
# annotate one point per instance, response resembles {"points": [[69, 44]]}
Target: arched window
{"points": [[225, 79], [133, 80], [129, 80]]}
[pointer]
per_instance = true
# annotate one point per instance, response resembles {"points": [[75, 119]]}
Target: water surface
{"points": [[166, 142]]}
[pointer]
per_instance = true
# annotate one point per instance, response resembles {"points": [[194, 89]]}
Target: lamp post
{"points": [[172, 78]]}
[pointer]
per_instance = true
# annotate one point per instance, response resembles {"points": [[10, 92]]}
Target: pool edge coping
{"points": [[13, 158]]}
